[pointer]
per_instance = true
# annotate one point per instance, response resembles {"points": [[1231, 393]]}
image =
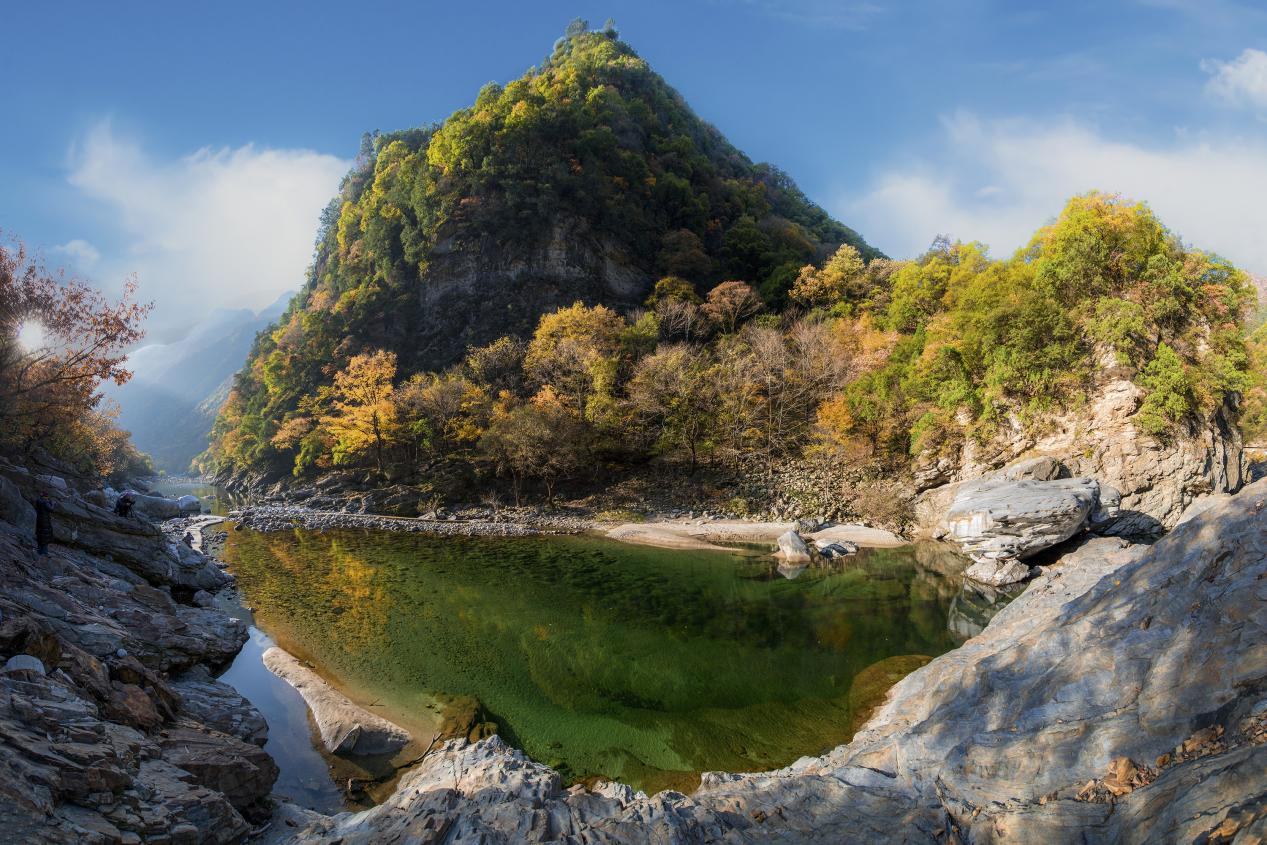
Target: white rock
{"points": [[344, 726], [792, 548], [994, 519]]}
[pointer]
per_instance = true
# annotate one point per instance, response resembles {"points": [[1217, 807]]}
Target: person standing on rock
{"points": [[44, 508], [123, 507]]}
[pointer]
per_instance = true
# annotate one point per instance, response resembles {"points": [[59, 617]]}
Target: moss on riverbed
{"points": [[634, 663]]}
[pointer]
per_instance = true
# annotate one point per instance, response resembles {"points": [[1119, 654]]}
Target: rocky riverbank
{"points": [[1121, 698], [112, 727], [286, 517]]}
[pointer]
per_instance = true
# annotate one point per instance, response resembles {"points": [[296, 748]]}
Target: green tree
{"points": [[1170, 398], [576, 351]]}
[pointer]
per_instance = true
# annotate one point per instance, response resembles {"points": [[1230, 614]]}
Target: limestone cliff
{"points": [[1098, 438]]}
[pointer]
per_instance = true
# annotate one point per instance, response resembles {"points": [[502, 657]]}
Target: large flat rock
{"points": [[997, 521], [345, 727]]}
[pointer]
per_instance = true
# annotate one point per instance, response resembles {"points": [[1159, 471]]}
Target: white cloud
{"points": [[997, 181], [1241, 82], [84, 255], [216, 228]]}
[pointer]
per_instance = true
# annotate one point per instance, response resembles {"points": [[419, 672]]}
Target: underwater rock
{"points": [[344, 727]]}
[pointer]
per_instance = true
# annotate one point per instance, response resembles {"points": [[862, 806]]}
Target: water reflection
{"points": [[976, 604], [215, 500], [646, 665]]}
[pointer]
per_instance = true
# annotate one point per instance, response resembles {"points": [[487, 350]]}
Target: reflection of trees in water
{"points": [[359, 600], [603, 655], [322, 594]]}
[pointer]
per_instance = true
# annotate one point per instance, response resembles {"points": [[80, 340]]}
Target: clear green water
{"points": [[640, 664]]}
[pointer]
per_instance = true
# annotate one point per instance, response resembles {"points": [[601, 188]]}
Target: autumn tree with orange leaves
{"points": [[59, 340]]}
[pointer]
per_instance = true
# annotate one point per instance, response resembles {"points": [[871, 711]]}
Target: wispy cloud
{"points": [[216, 228], [81, 253], [998, 180], [1241, 82], [826, 14]]}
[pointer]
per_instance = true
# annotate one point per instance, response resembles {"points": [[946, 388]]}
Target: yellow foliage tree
{"points": [[362, 416], [837, 279], [575, 351]]}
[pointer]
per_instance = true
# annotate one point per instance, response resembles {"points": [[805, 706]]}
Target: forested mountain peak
{"points": [[586, 179]]}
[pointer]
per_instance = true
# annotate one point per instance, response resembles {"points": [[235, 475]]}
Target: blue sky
{"points": [[195, 145]]}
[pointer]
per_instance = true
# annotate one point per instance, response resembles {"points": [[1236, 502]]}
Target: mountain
{"points": [[177, 388], [586, 179]]}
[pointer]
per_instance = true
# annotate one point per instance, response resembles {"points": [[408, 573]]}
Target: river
{"points": [[600, 658]]}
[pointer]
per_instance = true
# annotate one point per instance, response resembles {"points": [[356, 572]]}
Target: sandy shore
{"points": [[707, 535]]}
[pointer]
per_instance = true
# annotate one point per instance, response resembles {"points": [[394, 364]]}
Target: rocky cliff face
{"points": [[476, 293], [111, 728], [1099, 439], [1121, 698]]}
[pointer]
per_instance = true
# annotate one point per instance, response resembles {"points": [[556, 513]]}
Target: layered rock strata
{"points": [[112, 729]]}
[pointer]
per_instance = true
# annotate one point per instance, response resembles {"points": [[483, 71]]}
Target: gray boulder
{"points": [[997, 521], [23, 663], [835, 548], [158, 507], [189, 504], [792, 548]]}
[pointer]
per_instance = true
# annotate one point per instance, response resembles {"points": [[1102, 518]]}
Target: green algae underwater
{"points": [[600, 658]]}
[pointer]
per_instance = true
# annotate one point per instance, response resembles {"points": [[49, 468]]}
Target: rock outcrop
{"points": [[124, 736], [1100, 439], [344, 727], [134, 542], [1122, 698]]}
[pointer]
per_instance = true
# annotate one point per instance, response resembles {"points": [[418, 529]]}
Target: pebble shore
{"points": [[287, 517]]}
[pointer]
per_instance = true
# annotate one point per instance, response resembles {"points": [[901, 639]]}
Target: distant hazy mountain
{"points": [[177, 388]]}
